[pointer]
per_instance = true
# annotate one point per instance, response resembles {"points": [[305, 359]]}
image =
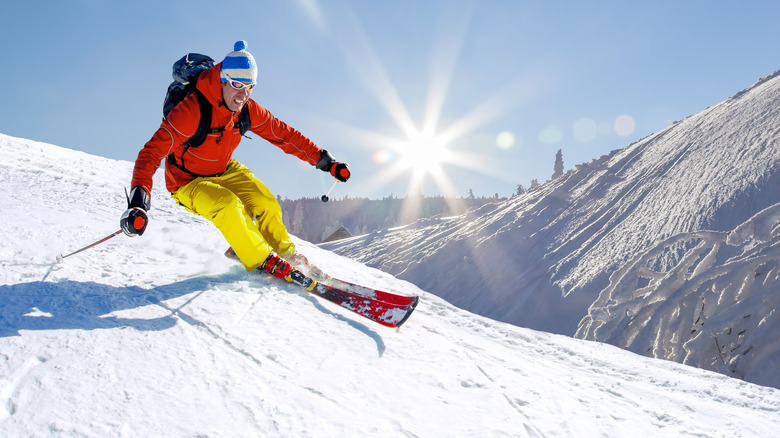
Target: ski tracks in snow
{"points": [[491, 374], [8, 405], [523, 377], [183, 316]]}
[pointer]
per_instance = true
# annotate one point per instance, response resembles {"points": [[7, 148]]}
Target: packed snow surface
{"points": [[160, 335]]}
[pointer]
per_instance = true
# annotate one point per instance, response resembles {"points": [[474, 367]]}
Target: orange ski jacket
{"points": [[211, 157]]}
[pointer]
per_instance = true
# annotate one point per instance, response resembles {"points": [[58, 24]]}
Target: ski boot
{"points": [[281, 268]]}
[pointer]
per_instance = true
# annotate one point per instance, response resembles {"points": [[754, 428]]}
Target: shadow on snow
{"points": [[70, 304]]}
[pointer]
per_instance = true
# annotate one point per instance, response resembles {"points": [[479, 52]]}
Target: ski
{"points": [[384, 313], [328, 286], [375, 294], [381, 312], [385, 308]]}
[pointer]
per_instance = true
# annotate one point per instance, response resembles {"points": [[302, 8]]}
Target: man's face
{"points": [[234, 98]]}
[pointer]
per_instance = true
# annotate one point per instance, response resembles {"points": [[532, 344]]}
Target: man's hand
{"points": [[134, 219], [327, 163]]}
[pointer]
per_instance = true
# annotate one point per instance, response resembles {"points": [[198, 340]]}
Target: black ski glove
{"points": [[134, 219], [327, 163]]}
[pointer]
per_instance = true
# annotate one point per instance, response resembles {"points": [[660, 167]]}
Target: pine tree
{"points": [[558, 169]]}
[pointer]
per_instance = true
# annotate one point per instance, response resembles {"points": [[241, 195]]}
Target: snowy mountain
{"points": [[540, 260], [161, 335]]}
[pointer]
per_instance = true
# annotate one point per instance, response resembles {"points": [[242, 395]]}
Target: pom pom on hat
{"points": [[240, 65]]}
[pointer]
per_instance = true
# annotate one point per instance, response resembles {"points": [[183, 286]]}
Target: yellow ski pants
{"points": [[243, 209]]}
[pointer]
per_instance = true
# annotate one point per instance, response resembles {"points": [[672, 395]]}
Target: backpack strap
{"points": [[204, 129], [204, 126]]}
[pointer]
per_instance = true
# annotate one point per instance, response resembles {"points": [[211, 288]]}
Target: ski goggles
{"points": [[238, 85]]}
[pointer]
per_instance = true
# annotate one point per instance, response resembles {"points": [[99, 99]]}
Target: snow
{"points": [[161, 335]]}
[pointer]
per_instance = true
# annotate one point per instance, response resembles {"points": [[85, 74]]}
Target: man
{"points": [[207, 181]]}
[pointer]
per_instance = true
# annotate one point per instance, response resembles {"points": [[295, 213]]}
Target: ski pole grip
{"points": [[340, 171]]}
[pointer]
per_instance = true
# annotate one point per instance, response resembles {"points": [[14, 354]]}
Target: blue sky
{"points": [[496, 86]]}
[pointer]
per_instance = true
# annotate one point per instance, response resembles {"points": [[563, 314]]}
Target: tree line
{"points": [[315, 221]]}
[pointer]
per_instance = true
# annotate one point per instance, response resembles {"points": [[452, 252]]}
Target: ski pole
{"points": [[325, 197], [115, 233]]}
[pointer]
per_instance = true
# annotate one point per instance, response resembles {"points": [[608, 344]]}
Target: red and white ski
{"points": [[385, 308], [382, 311], [375, 294]]}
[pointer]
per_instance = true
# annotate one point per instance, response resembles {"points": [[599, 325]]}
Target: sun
{"points": [[423, 153]]}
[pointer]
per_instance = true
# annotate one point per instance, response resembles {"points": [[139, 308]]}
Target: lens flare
{"points": [[505, 140], [584, 130], [383, 156], [550, 135], [625, 125]]}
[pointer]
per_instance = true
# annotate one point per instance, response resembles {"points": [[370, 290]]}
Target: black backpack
{"points": [[185, 77]]}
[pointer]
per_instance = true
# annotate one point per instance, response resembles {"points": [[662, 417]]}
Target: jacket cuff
{"points": [[140, 198]]}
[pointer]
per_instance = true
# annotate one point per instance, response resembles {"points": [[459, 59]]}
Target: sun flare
{"points": [[423, 154], [431, 153]]}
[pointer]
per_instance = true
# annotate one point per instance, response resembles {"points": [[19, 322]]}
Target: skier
{"points": [[205, 179]]}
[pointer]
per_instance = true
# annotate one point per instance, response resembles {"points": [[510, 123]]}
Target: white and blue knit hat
{"points": [[240, 65]]}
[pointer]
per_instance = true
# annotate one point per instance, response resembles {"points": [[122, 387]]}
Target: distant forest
{"points": [[315, 221]]}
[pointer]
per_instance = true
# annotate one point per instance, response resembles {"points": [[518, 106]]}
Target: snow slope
{"points": [[541, 259], [162, 336]]}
